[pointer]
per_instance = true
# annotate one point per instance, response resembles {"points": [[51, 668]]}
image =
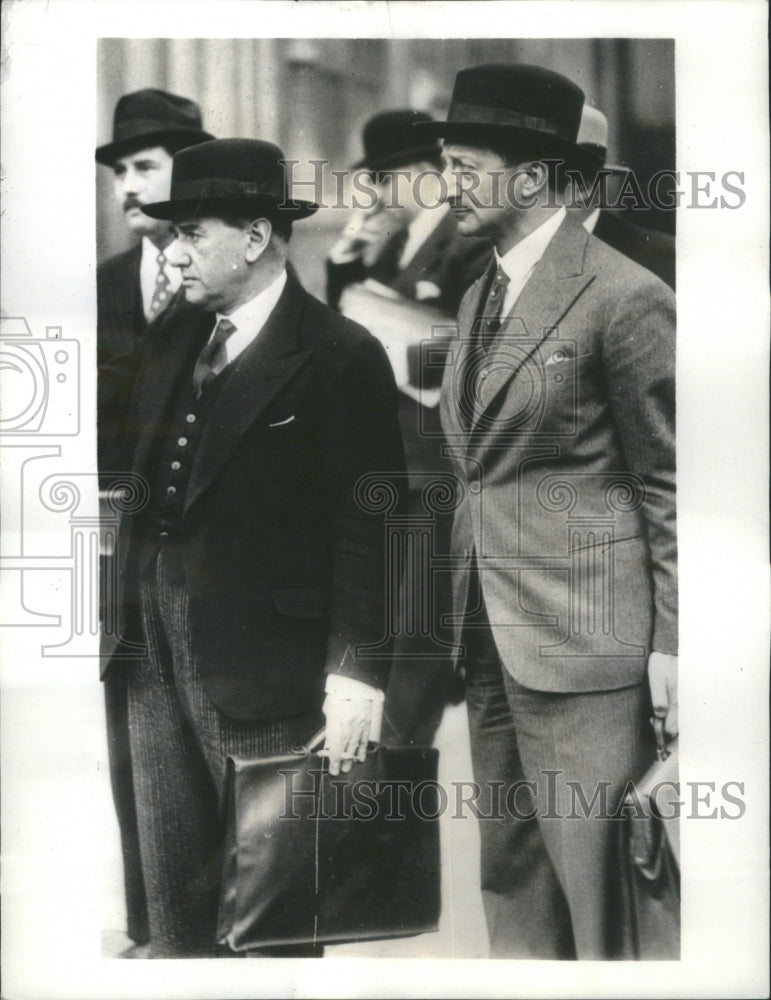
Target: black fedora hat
{"points": [[227, 175], [507, 101], [150, 118], [390, 141]]}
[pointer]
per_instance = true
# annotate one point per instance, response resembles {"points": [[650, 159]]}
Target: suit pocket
{"points": [[300, 602]]}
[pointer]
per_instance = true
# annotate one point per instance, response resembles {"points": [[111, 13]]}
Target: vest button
{"points": [[475, 486], [171, 490], [190, 418], [181, 442], [164, 534], [176, 465]]}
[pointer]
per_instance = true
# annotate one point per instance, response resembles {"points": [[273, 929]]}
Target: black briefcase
{"points": [[649, 850], [311, 858]]}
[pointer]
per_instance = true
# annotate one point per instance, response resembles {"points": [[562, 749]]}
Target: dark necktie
{"points": [[162, 290], [213, 358], [491, 315]]}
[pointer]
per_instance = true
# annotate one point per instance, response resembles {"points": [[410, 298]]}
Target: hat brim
{"points": [[399, 159], [112, 151], [267, 205], [481, 132]]}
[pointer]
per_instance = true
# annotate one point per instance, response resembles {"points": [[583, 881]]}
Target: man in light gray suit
{"points": [[558, 406]]}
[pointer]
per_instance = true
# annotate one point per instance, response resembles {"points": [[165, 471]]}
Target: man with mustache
{"points": [[133, 287]]}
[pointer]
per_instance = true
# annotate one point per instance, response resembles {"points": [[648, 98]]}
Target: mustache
{"points": [[131, 201]]}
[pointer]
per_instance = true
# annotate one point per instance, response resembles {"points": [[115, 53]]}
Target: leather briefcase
{"points": [[650, 864], [311, 858]]}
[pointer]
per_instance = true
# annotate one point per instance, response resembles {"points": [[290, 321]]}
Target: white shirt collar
{"points": [[523, 256], [420, 228], [250, 318], [519, 262]]}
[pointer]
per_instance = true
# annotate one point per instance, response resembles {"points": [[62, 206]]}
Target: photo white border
{"points": [[51, 829]]}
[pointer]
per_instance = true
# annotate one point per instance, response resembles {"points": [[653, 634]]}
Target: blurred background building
{"points": [[312, 97]]}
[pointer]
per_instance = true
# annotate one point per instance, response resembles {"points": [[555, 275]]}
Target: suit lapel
{"points": [[258, 375], [556, 282], [456, 372]]}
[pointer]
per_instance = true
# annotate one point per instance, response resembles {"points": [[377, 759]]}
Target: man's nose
{"points": [[176, 255], [451, 178], [130, 181]]}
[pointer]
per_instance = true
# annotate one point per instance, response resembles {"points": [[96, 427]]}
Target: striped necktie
{"points": [[213, 358]]}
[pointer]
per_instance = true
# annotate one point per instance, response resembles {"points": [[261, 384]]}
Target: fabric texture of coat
{"points": [[563, 440], [283, 555]]}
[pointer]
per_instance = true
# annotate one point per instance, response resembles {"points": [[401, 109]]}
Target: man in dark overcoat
{"points": [[255, 570]]}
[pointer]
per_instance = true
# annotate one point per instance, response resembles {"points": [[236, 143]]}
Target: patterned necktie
{"points": [[161, 292], [491, 315], [213, 358]]}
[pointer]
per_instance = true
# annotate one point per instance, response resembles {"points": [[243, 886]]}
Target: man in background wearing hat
{"points": [[149, 126], [253, 571], [558, 407], [408, 241], [650, 248]]}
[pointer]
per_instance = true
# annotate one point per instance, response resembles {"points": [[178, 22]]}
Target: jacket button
{"points": [[181, 442], [190, 418], [475, 486], [175, 466], [164, 534], [171, 490]]}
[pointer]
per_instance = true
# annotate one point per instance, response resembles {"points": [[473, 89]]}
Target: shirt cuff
{"points": [[349, 688]]}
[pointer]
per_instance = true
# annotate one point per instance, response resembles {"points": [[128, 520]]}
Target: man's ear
{"points": [[258, 237], [536, 178]]}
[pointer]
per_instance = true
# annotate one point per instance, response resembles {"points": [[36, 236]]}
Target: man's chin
{"points": [[467, 223]]}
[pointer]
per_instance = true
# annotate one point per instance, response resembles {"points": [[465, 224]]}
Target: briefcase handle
{"points": [[316, 741]]}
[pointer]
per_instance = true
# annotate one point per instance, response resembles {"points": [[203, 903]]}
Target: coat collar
{"points": [[259, 372], [556, 282]]}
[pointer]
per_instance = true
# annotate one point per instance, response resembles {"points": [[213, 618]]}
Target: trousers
{"points": [[552, 770], [180, 743]]}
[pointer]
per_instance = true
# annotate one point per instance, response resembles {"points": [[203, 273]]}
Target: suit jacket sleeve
{"points": [[639, 355], [360, 435]]}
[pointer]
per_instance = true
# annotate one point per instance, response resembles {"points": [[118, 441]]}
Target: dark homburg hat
{"points": [[506, 101], [151, 118], [390, 141], [227, 175]]}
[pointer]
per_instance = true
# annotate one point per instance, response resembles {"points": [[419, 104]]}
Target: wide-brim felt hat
{"points": [[152, 118], [503, 102], [229, 175], [390, 141]]}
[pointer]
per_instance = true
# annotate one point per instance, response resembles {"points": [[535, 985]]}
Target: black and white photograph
{"points": [[385, 551]]}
